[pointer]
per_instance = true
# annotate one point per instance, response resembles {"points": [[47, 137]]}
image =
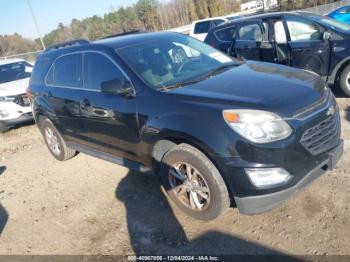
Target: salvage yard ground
{"points": [[89, 206]]}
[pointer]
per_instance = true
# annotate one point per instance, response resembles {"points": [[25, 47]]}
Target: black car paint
{"points": [[130, 127], [331, 54]]}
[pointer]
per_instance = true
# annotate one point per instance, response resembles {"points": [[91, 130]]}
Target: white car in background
{"points": [[14, 104], [200, 28]]}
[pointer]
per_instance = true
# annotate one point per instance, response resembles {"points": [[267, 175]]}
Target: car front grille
{"points": [[323, 136]]}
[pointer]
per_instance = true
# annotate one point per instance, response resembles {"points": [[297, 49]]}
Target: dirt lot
{"points": [[88, 206]]}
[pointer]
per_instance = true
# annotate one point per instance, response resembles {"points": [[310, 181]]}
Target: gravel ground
{"points": [[88, 206]]}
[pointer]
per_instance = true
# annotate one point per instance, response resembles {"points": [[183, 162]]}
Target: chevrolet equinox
{"points": [[216, 131]]}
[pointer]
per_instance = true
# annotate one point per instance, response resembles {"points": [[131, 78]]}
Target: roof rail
{"points": [[68, 44], [126, 33]]}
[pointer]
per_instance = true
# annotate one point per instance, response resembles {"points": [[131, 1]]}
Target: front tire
{"points": [[54, 141], [193, 183], [344, 80]]}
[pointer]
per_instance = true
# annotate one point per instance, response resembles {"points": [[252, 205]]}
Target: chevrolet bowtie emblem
{"points": [[330, 111]]}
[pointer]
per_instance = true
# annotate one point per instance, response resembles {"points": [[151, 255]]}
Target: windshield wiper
{"points": [[179, 85], [220, 69], [190, 82]]}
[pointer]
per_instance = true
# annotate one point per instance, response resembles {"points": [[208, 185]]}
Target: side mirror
{"points": [[326, 35], [117, 87]]}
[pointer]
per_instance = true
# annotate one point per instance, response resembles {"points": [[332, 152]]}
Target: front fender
{"points": [[213, 137]]}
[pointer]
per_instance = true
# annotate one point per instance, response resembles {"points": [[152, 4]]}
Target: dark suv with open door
{"points": [[216, 131], [299, 39]]}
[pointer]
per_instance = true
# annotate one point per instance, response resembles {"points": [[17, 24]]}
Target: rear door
{"points": [[308, 50], [267, 48], [109, 120], [248, 41], [223, 37], [281, 47], [64, 81]]}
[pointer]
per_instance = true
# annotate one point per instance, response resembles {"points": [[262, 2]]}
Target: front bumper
{"points": [[24, 118], [16, 114], [260, 203]]}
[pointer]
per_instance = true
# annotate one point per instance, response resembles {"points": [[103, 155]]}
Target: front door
{"points": [[308, 48], [109, 120], [248, 41]]}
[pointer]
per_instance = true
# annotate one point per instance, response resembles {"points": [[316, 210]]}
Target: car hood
{"points": [[14, 87], [257, 85]]}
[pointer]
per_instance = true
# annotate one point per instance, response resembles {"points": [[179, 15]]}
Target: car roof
{"points": [[11, 61], [112, 42], [210, 19], [262, 16], [133, 39]]}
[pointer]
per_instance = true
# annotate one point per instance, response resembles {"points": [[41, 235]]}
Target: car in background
{"points": [[216, 131], [14, 104], [299, 39], [341, 14], [200, 28]]}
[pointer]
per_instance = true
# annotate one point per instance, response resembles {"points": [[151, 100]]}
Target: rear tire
{"points": [[54, 141], [193, 183], [344, 81]]}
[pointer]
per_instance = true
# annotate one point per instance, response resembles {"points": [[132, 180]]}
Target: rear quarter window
{"points": [[41, 67]]}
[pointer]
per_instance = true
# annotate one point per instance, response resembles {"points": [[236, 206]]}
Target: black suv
{"points": [[304, 40], [216, 131]]}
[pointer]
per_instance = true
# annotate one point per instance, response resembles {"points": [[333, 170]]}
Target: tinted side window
{"points": [[39, 72], [302, 29], [98, 69], [250, 32], [67, 71], [202, 27], [225, 34]]}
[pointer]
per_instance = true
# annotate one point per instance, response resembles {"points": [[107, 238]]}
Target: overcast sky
{"points": [[15, 15]]}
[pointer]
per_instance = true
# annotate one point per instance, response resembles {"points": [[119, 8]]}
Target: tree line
{"points": [[150, 15]]}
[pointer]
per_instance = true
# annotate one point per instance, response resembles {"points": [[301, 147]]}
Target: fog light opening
{"points": [[268, 177], [325, 167]]}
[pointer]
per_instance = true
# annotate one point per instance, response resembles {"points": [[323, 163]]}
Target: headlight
{"points": [[257, 126], [4, 114], [2, 98]]}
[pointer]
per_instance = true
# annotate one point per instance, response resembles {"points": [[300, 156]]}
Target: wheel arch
{"points": [[338, 69], [166, 143], [41, 109]]}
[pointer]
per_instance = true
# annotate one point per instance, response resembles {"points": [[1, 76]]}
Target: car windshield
{"points": [[172, 61], [332, 23], [15, 71]]}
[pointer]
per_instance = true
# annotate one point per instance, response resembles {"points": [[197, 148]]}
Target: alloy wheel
{"points": [[52, 141], [189, 186]]}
